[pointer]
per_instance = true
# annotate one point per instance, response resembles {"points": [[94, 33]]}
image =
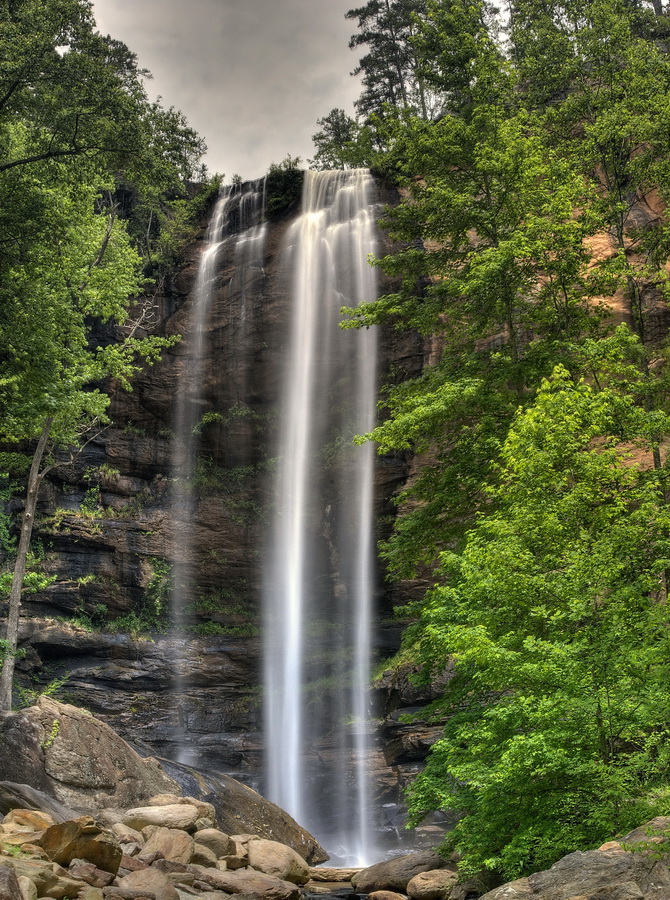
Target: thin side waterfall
{"points": [[319, 580], [234, 239]]}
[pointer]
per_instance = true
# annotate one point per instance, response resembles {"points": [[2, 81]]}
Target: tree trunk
{"points": [[12, 634]]}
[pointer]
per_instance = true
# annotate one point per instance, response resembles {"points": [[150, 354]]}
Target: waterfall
{"points": [[319, 577], [229, 271]]}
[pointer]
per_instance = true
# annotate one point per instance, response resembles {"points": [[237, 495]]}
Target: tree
{"points": [[336, 142], [496, 268], [86, 272], [391, 69], [75, 124], [555, 616]]}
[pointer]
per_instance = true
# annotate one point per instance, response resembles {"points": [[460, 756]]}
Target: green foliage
{"points": [[30, 696], [554, 614], [51, 737], [338, 144], [207, 629], [283, 187], [539, 508], [206, 419], [138, 624], [159, 586]]}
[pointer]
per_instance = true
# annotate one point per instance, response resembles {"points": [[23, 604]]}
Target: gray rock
{"points": [[610, 873], [395, 874], [73, 757], [10, 889], [23, 796], [245, 881]]}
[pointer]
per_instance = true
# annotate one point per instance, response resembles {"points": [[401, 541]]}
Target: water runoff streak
{"points": [[319, 582], [234, 240]]}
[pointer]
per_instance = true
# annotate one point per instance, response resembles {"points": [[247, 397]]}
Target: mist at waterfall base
{"points": [[319, 559]]}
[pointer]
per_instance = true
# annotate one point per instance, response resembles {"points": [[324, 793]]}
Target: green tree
{"points": [[391, 69], [336, 142], [75, 127], [84, 271], [555, 615]]}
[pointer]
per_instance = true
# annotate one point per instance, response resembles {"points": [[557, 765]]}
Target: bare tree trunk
{"points": [[12, 633]]}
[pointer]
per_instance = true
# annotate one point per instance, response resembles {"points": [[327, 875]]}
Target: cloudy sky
{"points": [[251, 76]]}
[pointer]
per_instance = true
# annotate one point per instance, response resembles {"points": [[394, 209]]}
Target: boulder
{"points": [[82, 839], [395, 874], [219, 843], [436, 884], [127, 835], [73, 757], [203, 856], [386, 895], [279, 860], [29, 818], [171, 844], [330, 874], [175, 815], [149, 881], [89, 873], [15, 796], [10, 889], [50, 879], [114, 892], [237, 856], [131, 864], [205, 810], [247, 881], [90, 893], [610, 873], [28, 889]]}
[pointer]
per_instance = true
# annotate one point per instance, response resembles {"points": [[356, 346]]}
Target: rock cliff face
{"points": [[107, 535]]}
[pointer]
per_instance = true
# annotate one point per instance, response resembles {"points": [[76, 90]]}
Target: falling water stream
{"points": [[235, 238], [319, 578], [319, 571]]}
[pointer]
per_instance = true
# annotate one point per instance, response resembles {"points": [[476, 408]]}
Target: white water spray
{"points": [[319, 581]]}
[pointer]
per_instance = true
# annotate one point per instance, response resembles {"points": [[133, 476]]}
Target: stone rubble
{"points": [[155, 852]]}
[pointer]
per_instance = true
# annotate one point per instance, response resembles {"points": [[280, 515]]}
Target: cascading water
{"points": [[319, 581], [234, 240]]}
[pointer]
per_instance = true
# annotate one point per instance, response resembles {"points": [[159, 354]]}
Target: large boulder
{"points": [[278, 860], [73, 757], [395, 874], [22, 796], [171, 843], [247, 881], [435, 884], [609, 873], [219, 843], [149, 881], [177, 815], [82, 839]]}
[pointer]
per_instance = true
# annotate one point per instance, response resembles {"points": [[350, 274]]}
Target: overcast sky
{"points": [[251, 76]]}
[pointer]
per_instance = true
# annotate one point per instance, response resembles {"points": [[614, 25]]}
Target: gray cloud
{"points": [[251, 76]]}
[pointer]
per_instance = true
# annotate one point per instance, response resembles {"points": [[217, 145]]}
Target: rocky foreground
{"points": [[85, 817]]}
